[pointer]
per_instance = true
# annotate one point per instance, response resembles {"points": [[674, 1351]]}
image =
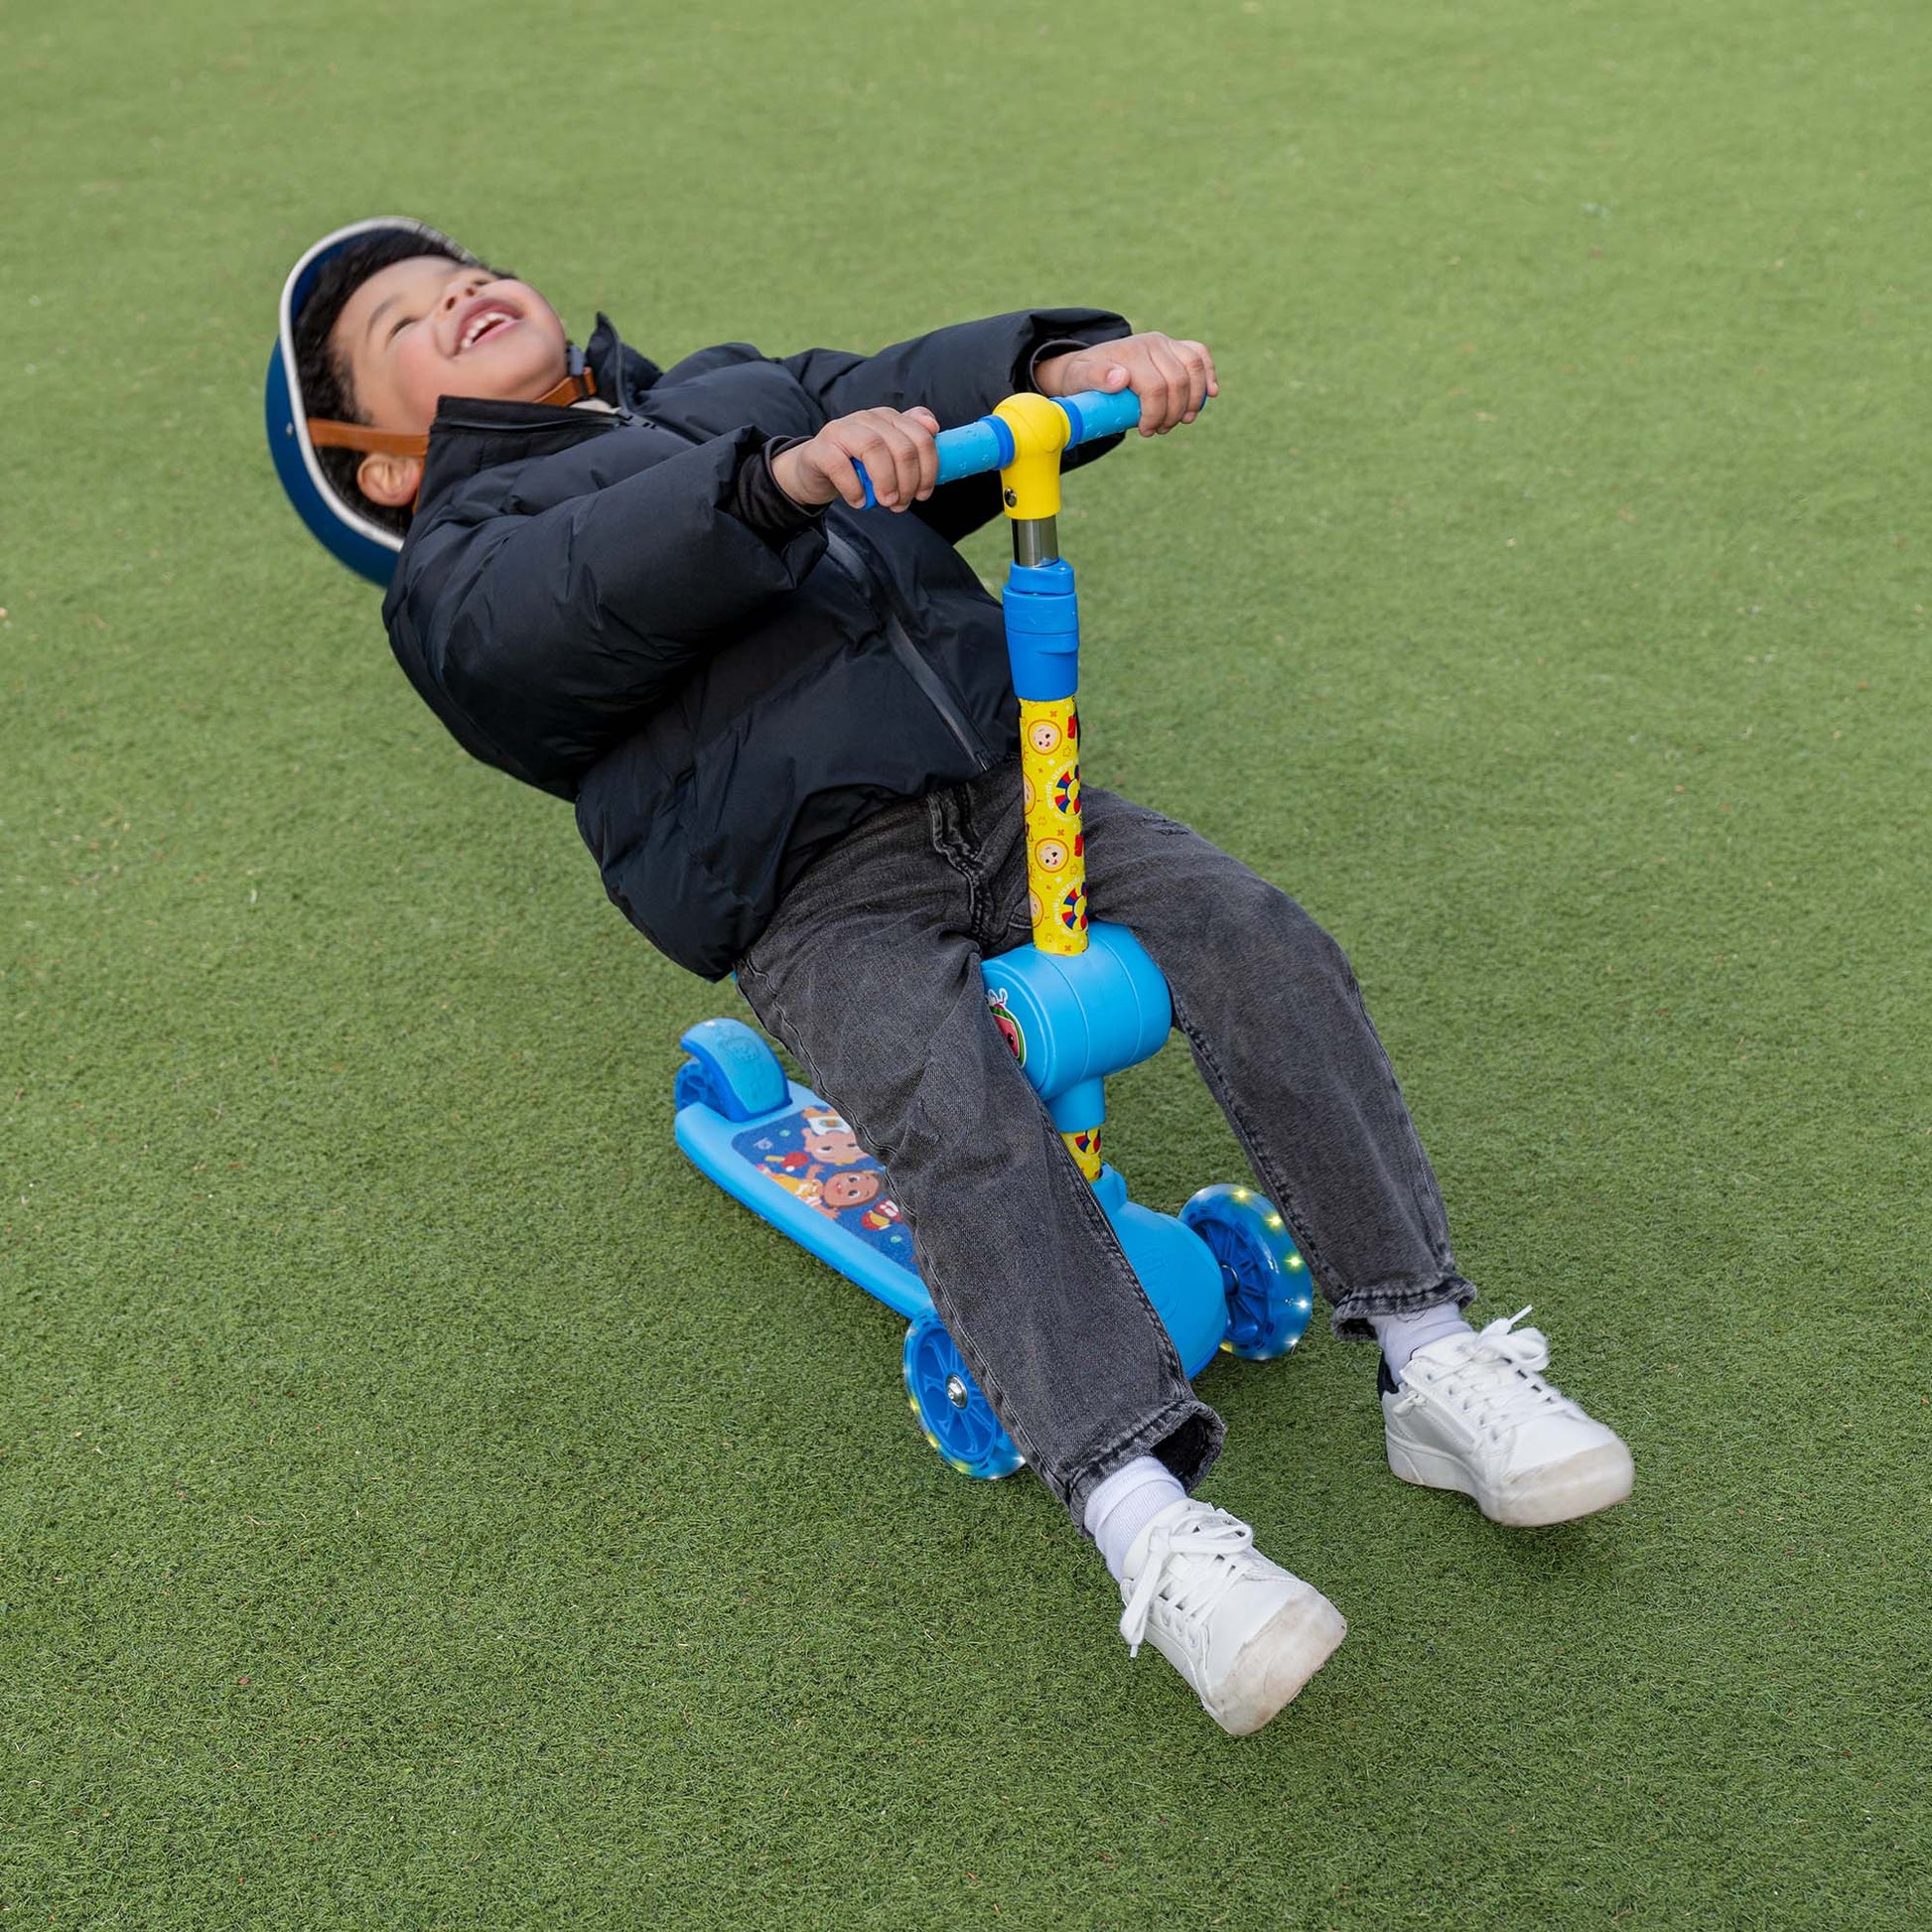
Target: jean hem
{"points": [[1350, 1316], [1186, 1435]]}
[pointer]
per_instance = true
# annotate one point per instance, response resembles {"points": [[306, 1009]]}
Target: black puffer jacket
{"points": [[584, 603]]}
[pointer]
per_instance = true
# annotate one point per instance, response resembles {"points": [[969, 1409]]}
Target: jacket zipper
{"points": [[885, 608], [846, 559], [881, 596]]}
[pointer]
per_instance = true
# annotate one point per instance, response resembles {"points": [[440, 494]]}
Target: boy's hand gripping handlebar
{"points": [[990, 443]]}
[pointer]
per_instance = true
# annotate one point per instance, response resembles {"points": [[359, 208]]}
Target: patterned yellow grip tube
{"points": [[1056, 850], [1085, 1150]]}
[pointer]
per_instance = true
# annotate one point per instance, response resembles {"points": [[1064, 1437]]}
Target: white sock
{"points": [[1125, 1503], [1402, 1334]]}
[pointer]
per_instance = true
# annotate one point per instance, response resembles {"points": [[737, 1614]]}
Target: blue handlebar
{"points": [[1100, 412], [975, 448]]}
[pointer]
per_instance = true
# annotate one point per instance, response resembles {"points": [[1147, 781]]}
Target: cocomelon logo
{"points": [[1073, 909], [1067, 793], [995, 1004]]}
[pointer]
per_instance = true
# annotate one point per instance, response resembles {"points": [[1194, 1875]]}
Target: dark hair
{"points": [[328, 390]]}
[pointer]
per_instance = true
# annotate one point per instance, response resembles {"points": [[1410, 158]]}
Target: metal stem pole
{"points": [[1036, 540]]}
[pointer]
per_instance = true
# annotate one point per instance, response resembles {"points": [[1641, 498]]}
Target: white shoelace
{"points": [[1209, 1549], [1498, 1381]]}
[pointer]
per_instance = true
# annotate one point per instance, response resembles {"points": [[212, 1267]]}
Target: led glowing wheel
{"points": [[1270, 1296], [956, 1418]]}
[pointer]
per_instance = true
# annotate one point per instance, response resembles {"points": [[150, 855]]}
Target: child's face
{"points": [[839, 1147], [429, 327], [850, 1189]]}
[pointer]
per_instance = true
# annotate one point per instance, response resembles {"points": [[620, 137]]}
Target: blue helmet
{"points": [[343, 527]]}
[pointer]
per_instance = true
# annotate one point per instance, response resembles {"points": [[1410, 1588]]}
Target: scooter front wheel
{"points": [[1267, 1281], [955, 1417]]}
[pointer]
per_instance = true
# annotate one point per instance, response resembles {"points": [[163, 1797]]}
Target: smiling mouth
{"points": [[482, 325]]}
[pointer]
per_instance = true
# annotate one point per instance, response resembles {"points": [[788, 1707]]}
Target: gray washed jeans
{"points": [[870, 973]]}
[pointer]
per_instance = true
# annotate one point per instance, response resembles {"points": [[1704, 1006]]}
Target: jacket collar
{"points": [[471, 433], [622, 375]]}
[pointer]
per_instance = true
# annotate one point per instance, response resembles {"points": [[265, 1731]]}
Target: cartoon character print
{"points": [[831, 1195], [829, 1139], [995, 1004], [843, 1190], [826, 1142], [1054, 854], [815, 1157], [1046, 735], [862, 1197], [792, 1174]]}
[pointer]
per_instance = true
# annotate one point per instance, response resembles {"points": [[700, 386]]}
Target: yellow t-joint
{"points": [[1030, 486]]}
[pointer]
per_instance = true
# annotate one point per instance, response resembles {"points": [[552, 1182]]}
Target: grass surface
{"points": [[425, 1501]]}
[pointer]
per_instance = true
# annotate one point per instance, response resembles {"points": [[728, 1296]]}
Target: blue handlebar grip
{"points": [[1099, 412], [975, 448], [968, 451]]}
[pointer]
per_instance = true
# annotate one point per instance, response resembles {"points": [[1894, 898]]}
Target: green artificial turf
{"points": [[425, 1501]]}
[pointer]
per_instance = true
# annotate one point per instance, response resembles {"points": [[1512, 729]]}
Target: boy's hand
{"points": [[896, 446], [1171, 379]]}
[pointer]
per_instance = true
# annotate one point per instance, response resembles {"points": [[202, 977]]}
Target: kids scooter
{"points": [[1079, 1002]]}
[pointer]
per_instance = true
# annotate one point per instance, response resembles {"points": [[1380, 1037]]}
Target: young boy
{"points": [[791, 737]]}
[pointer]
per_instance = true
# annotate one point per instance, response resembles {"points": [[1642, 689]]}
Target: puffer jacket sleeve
{"points": [[958, 372], [549, 634]]}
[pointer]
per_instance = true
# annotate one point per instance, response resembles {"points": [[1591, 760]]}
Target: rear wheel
{"points": [[956, 1419], [731, 1070], [1268, 1294]]}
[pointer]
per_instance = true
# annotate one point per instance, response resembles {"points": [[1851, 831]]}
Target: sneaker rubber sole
{"points": [[1559, 1492], [1277, 1661]]}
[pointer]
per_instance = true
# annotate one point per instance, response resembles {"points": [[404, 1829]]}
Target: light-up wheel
{"points": [[1270, 1296], [956, 1418]]}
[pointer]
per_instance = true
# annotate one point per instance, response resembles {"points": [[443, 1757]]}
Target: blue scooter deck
{"points": [[799, 1167]]}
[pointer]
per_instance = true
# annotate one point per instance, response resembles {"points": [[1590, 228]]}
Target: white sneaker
{"points": [[1472, 1413], [1240, 1629]]}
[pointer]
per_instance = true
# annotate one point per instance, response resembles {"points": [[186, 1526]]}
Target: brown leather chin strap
{"points": [[325, 435]]}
